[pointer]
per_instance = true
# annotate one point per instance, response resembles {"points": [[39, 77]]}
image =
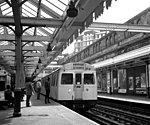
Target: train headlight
{"points": [[69, 90]]}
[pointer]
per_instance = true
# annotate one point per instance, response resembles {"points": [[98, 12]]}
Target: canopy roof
{"points": [[41, 23]]}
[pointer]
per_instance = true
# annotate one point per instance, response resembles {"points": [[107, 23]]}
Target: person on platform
{"points": [[47, 89], [8, 95], [29, 91], [38, 88]]}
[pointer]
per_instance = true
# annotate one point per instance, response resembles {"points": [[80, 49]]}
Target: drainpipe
{"points": [[110, 82], [147, 79]]}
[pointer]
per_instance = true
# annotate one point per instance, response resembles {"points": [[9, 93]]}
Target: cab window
{"points": [[67, 78], [88, 78]]}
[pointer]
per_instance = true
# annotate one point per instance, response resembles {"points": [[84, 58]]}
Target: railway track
{"points": [[131, 107], [106, 115]]}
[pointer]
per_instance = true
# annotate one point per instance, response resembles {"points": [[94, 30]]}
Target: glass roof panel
{"points": [[45, 15], [39, 32], [45, 42], [58, 4], [29, 31], [31, 6], [9, 14], [3, 43], [41, 29], [10, 31], [1, 30], [38, 44], [50, 30], [49, 9], [7, 11], [30, 9], [4, 6], [65, 2], [52, 6], [27, 13], [24, 14]]}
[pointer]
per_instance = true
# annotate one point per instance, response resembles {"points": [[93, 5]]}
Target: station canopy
{"points": [[45, 28]]}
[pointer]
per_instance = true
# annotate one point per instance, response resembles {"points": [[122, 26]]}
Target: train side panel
{"points": [[90, 86], [54, 92], [65, 86], [90, 92], [74, 85], [54, 82], [66, 92]]}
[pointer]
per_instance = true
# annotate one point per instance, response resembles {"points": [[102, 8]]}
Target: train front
{"points": [[78, 86]]}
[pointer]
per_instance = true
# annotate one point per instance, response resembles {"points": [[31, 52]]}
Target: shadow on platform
{"points": [[38, 109]]}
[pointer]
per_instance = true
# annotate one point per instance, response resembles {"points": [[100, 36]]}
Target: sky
{"points": [[119, 12]]}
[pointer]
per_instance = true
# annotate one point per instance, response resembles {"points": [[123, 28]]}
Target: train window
{"points": [[53, 80], [67, 78], [78, 79], [56, 78], [88, 78]]}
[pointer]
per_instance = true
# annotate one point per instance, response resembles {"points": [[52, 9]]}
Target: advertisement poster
{"points": [[137, 81], [115, 83], [141, 83], [108, 82], [149, 74], [122, 81], [131, 83], [99, 79], [143, 80]]}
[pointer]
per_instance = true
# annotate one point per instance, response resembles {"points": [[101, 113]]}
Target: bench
{"points": [[3, 103]]}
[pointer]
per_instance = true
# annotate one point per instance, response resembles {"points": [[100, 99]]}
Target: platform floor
{"points": [[43, 114]]}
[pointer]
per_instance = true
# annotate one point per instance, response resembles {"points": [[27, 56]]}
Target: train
{"points": [[5, 79], [73, 85]]}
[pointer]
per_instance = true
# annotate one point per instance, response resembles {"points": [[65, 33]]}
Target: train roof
{"points": [[77, 66], [74, 66]]}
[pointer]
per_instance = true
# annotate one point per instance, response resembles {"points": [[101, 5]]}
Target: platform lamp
{"points": [[34, 72], [49, 48], [39, 61], [72, 11], [37, 67]]}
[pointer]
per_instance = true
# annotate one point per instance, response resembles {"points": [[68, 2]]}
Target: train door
{"points": [[78, 86]]}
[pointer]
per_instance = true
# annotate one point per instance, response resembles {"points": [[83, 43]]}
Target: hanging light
{"points": [[39, 61], [37, 67], [49, 48], [72, 11]]}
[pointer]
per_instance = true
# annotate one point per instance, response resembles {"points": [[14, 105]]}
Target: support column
{"points": [[110, 82], [17, 91]]}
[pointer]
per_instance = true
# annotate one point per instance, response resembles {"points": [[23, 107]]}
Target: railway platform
{"points": [[43, 114], [129, 101], [127, 98]]}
